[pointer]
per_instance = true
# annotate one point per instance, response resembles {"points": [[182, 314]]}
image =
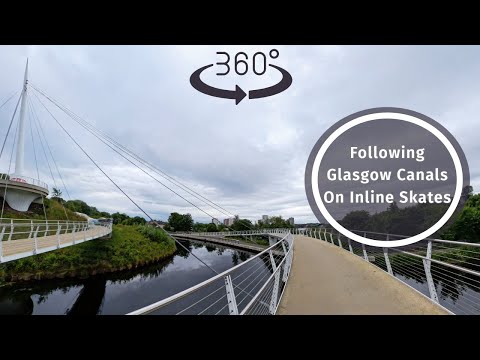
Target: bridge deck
{"points": [[328, 280], [223, 241], [16, 249]]}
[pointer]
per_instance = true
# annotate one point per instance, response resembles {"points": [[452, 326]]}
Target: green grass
{"points": [[54, 210], [256, 239], [129, 247]]}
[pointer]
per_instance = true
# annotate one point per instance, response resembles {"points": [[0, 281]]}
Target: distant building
{"points": [[291, 221], [228, 222], [216, 221], [265, 218]]}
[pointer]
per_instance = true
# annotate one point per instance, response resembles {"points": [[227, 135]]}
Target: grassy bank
{"points": [[248, 240], [129, 247], [53, 209]]}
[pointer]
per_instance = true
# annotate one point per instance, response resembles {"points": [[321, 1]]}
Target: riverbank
{"points": [[129, 247]]}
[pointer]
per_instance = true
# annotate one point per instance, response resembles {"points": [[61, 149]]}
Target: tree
{"points": [[137, 220], [393, 207], [241, 224], [119, 218], [83, 207], [56, 193], [211, 227], [179, 222], [467, 225], [356, 220], [199, 227], [467, 192], [277, 222]]}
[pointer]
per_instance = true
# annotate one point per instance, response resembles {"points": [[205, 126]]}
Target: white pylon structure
{"points": [[20, 190]]}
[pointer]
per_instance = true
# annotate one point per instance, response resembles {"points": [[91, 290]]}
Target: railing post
{"points": [[31, 229], [387, 261], [331, 238], [276, 285], [365, 255], [35, 240], [46, 228], [427, 264], [59, 228], [350, 246], [285, 265], [11, 230], [232, 301], [339, 241], [284, 248], [84, 233], [73, 233], [1, 243], [286, 268]]}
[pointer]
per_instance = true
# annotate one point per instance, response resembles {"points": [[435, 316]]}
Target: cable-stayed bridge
{"points": [[315, 271]]}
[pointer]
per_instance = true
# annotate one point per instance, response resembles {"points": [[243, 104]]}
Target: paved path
{"points": [[328, 280], [15, 249]]}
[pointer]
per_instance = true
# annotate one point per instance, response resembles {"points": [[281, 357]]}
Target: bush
{"points": [[154, 234], [127, 247]]}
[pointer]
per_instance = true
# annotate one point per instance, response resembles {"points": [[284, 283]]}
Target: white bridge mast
{"points": [[19, 160], [21, 190]]}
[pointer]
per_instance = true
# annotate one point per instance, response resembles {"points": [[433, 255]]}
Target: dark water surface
{"points": [[122, 292]]}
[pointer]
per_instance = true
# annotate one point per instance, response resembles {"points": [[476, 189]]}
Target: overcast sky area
{"points": [[248, 158]]}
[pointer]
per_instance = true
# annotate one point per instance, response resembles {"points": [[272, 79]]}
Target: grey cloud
{"points": [[249, 158]]}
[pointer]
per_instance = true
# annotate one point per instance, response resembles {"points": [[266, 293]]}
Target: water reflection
{"points": [[458, 291], [121, 292]]}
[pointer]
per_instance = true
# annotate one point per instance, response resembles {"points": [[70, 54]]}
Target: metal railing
{"points": [[252, 287], [230, 233], [25, 237], [447, 272], [24, 179]]}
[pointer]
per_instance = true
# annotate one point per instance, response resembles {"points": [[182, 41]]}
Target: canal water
{"points": [[121, 292]]}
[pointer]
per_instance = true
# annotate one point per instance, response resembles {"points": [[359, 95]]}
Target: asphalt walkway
{"points": [[328, 280]]}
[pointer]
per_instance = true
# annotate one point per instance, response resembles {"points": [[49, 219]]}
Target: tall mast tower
{"points": [[20, 190], [19, 160]]}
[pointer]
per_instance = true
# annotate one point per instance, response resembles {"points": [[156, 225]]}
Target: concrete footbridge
{"points": [[21, 238], [317, 271]]}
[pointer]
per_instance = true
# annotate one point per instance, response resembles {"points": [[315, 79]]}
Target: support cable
{"points": [[119, 188], [10, 125], [9, 167], [152, 167], [124, 193], [30, 118], [138, 167], [46, 159]]}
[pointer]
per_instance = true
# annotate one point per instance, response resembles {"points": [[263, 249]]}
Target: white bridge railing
{"points": [[24, 179], [25, 237], [253, 287], [447, 272], [230, 233]]}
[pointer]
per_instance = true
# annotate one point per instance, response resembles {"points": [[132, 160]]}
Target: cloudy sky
{"points": [[249, 158]]}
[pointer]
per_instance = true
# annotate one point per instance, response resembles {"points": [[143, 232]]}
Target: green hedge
{"points": [[127, 248]]}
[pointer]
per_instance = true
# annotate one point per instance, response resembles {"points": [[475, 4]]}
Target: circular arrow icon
{"points": [[238, 94]]}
